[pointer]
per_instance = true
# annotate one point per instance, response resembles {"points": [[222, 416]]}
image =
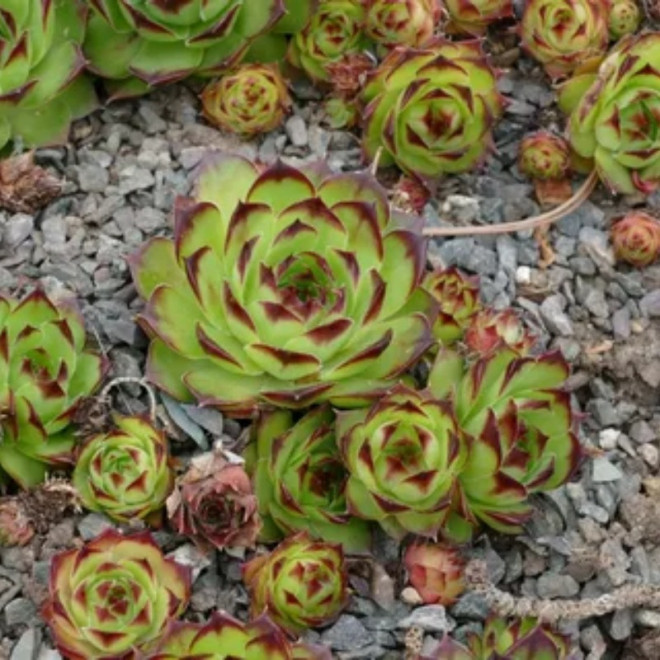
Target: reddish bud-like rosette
{"points": [[113, 596], [458, 296], [214, 505], [490, 330], [474, 16], [436, 572], [636, 238], [301, 584], [15, 527], [543, 155]]}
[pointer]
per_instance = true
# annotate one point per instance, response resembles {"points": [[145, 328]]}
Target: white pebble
{"points": [[523, 275], [649, 453], [609, 438]]}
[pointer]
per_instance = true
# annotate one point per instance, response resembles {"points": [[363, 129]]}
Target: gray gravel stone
{"points": [[649, 305], [296, 129], [346, 634], [470, 605], [603, 471], [642, 432], [556, 585], [431, 618], [18, 228], [552, 313], [92, 525], [20, 610], [595, 302], [27, 646], [621, 323]]}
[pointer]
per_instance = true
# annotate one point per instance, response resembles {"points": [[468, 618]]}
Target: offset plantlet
{"points": [[301, 584], [431, 110], [335, 31], [563, 34], [404, 455], [113, 597], [45, 373], [546, 159], [615, 115], [260, 639], [213, 504], [125, 473], [137, 44], [624, 18], [490, 330], [521, 639], [285, 287], [341, 113], [522, 435], [250, 100], [15, 526], [435, 571], [458, 296], [636, 238], [299, 479], [474, 16], [42, 86], [402, 22]]}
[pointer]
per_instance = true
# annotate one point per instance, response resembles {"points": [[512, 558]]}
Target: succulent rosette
{"points": [[334, 31], [520, 639], [402, 22], [285, 287], [124, 473], [490, 329], [474, 16], [624, 18], [636, 238], [299, 479], [45, 372], [615, 115], [42, 86], [432, 109], [543, 155], [141, 43], [563, 34], [113, 596], [249, 100], [340, 112], [435, 571], [301, 584], [213, 504], [458, 296], [404, 455], [522, 435], [225, 637]]}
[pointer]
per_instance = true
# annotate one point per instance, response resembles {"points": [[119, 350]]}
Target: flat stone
{"points": [[27, 646], [296, 129], [430, 618], [18, 228], [92, 525], [20, 610], [603, 471], [649, 305], [347, 634], [556, 585], [554, 317], [471, 605], [642, 432], [595, 302], [621, 323], [93, 178]]}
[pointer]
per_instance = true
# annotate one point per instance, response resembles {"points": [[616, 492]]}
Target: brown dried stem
{"points": [[552, 611], [541, 220]]}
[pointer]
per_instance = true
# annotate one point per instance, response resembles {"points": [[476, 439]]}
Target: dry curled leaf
{"points": [[25, 187]]}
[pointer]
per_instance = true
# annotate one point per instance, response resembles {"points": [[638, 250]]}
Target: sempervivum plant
{"points": [[520, 639], [42, 88], [402, 22], [124, 473], [522, 435], [299, 479], [140, 43], [213, 503], [404, 455], [435, 571], [431, 109], [285, 286], [458, 297], [474, 16], [562, 34], [251, 99], [636, 238], [543, 155], [615, 115], [113, 596], [335, 31], [45, 372], [301, 584], [624, 18], [225, 637], [490, 329]]}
